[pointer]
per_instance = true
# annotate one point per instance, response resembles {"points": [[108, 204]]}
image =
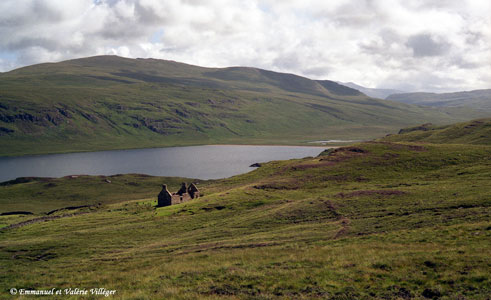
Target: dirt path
{"points": [[343, 221]]}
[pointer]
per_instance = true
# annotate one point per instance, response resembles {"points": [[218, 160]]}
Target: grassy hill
{"points": [[376, 220], [477, 99], [110, 102], [473, 132]]}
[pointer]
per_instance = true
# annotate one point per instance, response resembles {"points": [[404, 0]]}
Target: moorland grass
{"points": [[377, 220]]}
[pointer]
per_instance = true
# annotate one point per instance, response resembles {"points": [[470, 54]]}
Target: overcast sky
{"points": [[430, 45]]}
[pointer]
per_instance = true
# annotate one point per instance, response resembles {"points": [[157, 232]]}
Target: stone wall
{"points": [[176, 199]]}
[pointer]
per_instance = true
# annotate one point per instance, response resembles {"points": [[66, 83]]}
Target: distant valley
{"points": [[477, 99], [372, 92]]}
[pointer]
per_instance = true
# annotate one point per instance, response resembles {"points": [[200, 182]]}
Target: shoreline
{"points": [[181, 146], [271, 145]]}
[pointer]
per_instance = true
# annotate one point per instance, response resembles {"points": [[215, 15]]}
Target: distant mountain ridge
{"points": [[151, 70], [478, 99], [111, 102]]}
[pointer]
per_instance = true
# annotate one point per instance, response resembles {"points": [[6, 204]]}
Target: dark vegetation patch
{"points": [[331, 157], [473, 124], [142, 175], [34, 255], [315, 165], [280, 185], [342, 154], [4, 130], [25, 180], [424, 127], [196, 82], [10, 213], [398, 146], [431, 293], [327, 109], [399, 292], [165, 126], [370, 193], [112, 79], [254, 203], [429, 264], [219, 246], [25, 120], [41, 219], [336, 177], [216, 207], [352, 149], [382, 266], [67, 208]]}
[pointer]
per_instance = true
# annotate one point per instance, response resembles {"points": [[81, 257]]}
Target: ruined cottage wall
{"points": [[165, 198], [176, 199]]}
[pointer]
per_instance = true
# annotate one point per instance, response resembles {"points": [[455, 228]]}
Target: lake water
{"points": [[202, 162]]}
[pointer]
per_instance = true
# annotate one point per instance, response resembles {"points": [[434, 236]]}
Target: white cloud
{"points": [[403, 44]]}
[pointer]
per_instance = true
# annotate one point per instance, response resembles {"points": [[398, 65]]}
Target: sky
{"points": [[409, 45]]}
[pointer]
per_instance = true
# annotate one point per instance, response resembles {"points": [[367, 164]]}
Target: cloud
{"points": [[427, 45]]}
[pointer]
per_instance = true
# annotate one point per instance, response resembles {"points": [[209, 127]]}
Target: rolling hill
{"points": [[476, 132], [477, 99], [110, 102]]}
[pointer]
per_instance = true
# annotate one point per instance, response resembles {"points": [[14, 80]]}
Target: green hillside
{"points": [[473, 132], [109, 102], [376, 220]]}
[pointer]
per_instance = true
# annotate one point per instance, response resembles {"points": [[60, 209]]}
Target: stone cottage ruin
{"points": [[184, 194]]}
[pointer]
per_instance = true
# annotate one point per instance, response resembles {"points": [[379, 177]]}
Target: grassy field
{"points": [[41, 195], [110, 102], [376, 220]]}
